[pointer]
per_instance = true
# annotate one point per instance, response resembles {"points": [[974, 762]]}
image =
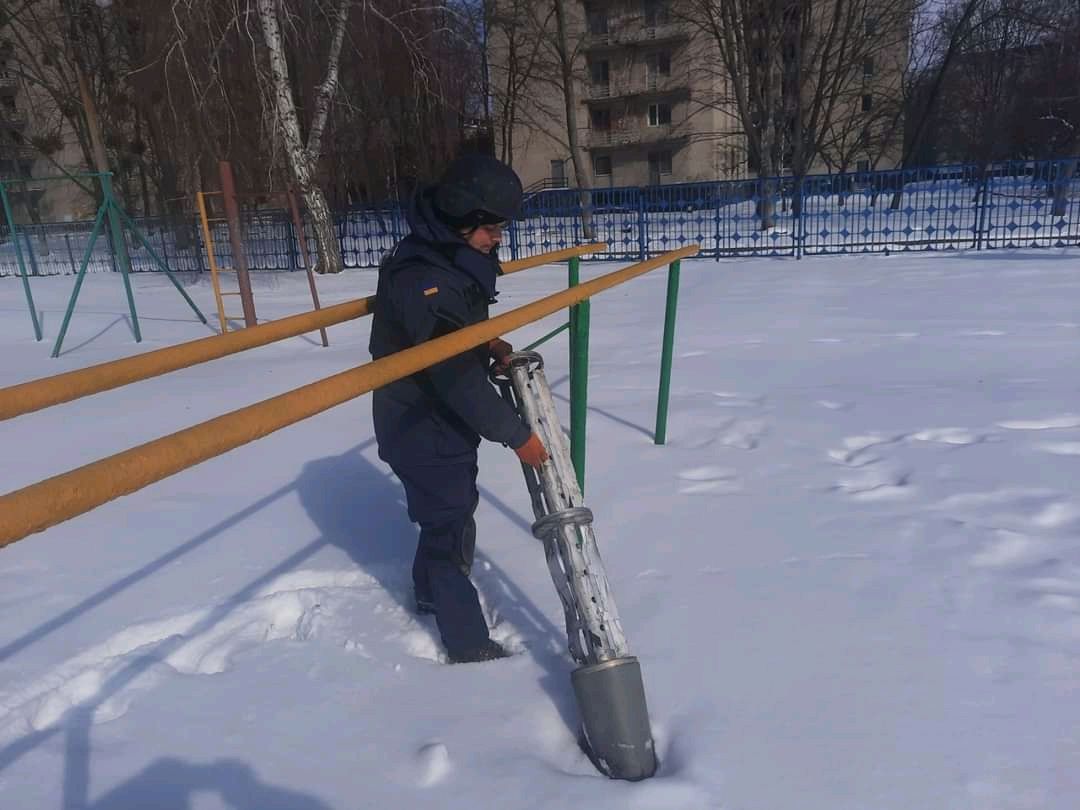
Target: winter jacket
{"points": [[431, 284]]}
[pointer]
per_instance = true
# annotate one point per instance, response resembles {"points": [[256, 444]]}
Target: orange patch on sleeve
{"points": [[431, 291]]}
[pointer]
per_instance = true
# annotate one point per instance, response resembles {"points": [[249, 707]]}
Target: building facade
{"points": [[652, 99]]}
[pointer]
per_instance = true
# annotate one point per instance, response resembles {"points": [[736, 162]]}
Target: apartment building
{"points": [[643, 118], [637, 119], [652, 105]]}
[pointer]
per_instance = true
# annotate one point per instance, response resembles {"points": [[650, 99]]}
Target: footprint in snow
{"points": [[744, 435], [960, 437], [105, 677], [710, 481], [728, 399], [854, 452], [1062, 422], [835, 406], [876, 484], [1061, 448], [432, 764], [1010, 550]]}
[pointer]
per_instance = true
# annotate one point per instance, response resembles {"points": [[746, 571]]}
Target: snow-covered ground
{"points": [[852, 576]]}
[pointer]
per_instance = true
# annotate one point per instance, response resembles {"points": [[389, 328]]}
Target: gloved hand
{"points": [[533, 452], [500, 350]]}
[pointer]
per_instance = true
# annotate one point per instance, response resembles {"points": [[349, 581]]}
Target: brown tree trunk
{"points": [[566, 62], [766, 208]]}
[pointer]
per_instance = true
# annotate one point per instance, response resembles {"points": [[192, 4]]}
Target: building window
{"points": [[867, 103], [862, 167], [600, 119], [600, 72], [601, 165], [558, 174], [597, 20], [868, 67], [659, 114], [658, 66], [659, 166], [870, 26], [864, 138], [657, 12]]}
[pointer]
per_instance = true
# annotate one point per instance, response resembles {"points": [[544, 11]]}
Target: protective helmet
{"points": [[477, 190]]}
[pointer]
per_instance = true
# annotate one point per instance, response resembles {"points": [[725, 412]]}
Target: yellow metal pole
{"points": [[69, 494], [37, 394], [42, 393], [208, 240], [553, 256]]}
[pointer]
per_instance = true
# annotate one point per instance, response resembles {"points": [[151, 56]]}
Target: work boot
{"points": [[489, 651]]}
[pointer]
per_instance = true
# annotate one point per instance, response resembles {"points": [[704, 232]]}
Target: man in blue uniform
{"points": [[440, 278]]}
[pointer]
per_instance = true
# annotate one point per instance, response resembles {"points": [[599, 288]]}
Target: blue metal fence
{"points": [[1004, 205]]}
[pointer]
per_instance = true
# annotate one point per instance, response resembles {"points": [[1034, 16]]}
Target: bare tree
{"points": [[747, 45], [353, 101], [538, 89], [796, 75], [302, 157], [567, 54], [512, 35], [1055, 98]]}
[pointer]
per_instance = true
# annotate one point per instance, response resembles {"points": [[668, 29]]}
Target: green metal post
{"points": [[79, 279], [120, 246], [14, 235], [574, 279], [578, 375], [157, 259], [579, 391], [546, 338], [669, 348]]}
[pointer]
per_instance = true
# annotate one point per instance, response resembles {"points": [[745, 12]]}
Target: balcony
{"points": [[633, 31], [654, 85], [638, 135], [9, 80]]}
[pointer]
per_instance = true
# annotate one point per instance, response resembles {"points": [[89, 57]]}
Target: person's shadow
{"points": [[169, 784], [360, 508]]}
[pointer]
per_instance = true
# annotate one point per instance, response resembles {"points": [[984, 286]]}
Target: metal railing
{"points": [[602, 91], [16, 184], [629, 135], [1005, 205], [62, 497], [633, 30]]}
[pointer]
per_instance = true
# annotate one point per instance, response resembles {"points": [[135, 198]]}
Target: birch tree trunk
{"points": [[302, 158]]}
